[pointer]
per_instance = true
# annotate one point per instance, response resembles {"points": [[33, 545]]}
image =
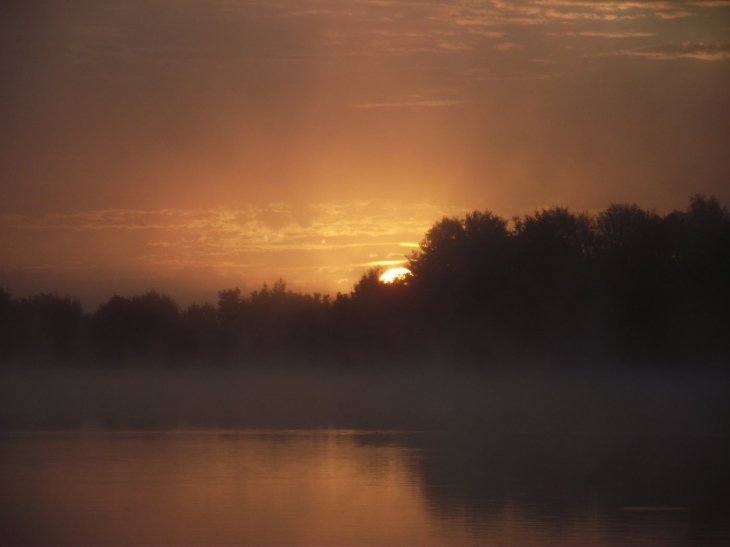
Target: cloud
{"points": [[312, 246], [623, 34], [623, 5], [602, 34], [544, 12], [669, 52], [408, 104], [487, 75], [673, 14], [459, 46], [315, 12], [487, 33], [384, 262], [221, 232], [509, 46]]}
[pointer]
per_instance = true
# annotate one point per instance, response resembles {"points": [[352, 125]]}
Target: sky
{"points": [[192, 146]]}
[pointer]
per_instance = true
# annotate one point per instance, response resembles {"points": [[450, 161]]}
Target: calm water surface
{"points": [[347, 487]]}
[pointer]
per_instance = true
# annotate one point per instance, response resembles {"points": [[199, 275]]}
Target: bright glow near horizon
{"points": [[192, 147], [394, 273]]}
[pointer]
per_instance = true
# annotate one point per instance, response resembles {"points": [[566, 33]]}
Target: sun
{"points": [[394, 273]]}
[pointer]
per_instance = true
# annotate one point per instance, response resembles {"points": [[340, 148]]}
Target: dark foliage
{"points": [[42, 326], [146, 325], [625, 284]]}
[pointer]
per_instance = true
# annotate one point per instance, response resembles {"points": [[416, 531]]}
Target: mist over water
{"points": [[586, 399], [398, 456]]}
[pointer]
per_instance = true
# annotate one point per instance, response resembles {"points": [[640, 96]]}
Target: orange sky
{"points": [[192, 146]]}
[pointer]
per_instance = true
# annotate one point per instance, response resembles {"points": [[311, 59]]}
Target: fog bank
{"points": [[591, 400]]}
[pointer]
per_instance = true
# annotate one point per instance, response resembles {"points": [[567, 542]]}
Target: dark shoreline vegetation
{"points": [[626, 285]]}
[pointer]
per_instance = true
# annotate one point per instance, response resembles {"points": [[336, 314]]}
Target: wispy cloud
{"points": [[603, 34], [410, 104], [623, 5], [385, 262], [458, 46], [444, 33], [220, 232], [509, 46], [620, 34], [324, 246], [673, 14], [669, 52]]}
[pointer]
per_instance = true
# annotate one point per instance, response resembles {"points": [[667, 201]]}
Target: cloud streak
{"points": [[671, 52], [604, 34], [410, 104], [224, 232], [322, 247], [509, 46]]}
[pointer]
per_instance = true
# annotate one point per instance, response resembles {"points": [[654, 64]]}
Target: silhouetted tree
{"points": [[144, 325], [703, 263], [49, 326], [461, 270], [202, 336], [636, 270], [8, 325], [625, 283]]}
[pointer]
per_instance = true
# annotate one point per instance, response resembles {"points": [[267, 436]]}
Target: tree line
{"points": [[626, 283]]}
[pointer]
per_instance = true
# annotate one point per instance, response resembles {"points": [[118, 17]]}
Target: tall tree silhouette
{"points": [[144, 325], [627, 283]]}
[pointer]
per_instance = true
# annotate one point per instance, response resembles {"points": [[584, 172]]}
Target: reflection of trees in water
{"points": [[555, 479], [478, 444]]}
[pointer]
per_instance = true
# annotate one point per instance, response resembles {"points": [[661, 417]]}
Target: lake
{"points": [[349, 487]]}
